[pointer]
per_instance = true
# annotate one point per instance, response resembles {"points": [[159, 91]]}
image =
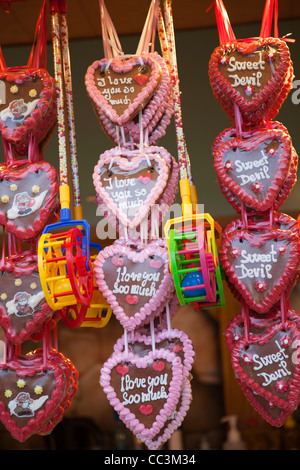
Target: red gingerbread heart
{"points": [[28, 197], [30, 392], [144, 397], [261, 223], [150, 286], [27, 107], [121, 87], [23, 307], [268, 364], [258, 326], [287, 186], [254, 168], [250, 74], [70, 378], [260, 264]]}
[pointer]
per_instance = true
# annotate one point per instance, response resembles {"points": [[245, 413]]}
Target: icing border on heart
{"points": [[29, 368], [162, 205], [257, 240], [129, 419], [249, 144], [47, 206], [41, 311], [293, 386], [41, 118], [272, 88], [180, 414], [160, 336], [118, 66], [156, 303], [128, 161]]}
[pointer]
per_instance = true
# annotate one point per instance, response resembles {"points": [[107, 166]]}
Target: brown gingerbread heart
{"points": [[28, 106], [260, 264], [23, 307], [30, 392], [121, 87], [250, 74], [28, 197], [268, 364], [254, 168]]}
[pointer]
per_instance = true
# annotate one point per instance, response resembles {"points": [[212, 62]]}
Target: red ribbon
{"points": [[38, 54]]}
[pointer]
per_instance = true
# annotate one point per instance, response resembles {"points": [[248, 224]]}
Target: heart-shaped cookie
{"points": [[135, 280], [250, 74], [71, 377], [174, 340], [23, 307], [128, 184], [291, 178], [30, 392], [271, 413], [174, 421], [121, 87], [261, 223], [260, 264], [254, 168], [269, 365], [28, 197], [258, 325], [28, 107], [154, 110], [143, 390]]}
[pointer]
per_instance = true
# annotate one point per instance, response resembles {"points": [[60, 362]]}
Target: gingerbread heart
{"points": [[28, 107], [135, 280], [128, 184], [143, 390], [175, 420], [121, 87], [250, 73], [255, 168], [154, 110], [258, 325], [259, 223], [30, 392], [260, 264], [271, 413], [23, 307], [268, 364], [28, 197], [174, 340], [71, 377]]}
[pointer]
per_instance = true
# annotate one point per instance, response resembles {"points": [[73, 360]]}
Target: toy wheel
{"points": [[79, 274], [73, 315], [207, 265]]}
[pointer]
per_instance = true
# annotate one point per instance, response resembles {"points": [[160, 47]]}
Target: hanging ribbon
{"points": [[147, 39], [111, 44], [271, 7], [38, 55], [225, 30]]}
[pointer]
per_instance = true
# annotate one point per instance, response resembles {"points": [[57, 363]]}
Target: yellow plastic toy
{"points": [[65, 264]]}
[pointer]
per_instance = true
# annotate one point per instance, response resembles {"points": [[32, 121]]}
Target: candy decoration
{"points": [[191, 238], [259, 251], [136, 183], [67, 252]]}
